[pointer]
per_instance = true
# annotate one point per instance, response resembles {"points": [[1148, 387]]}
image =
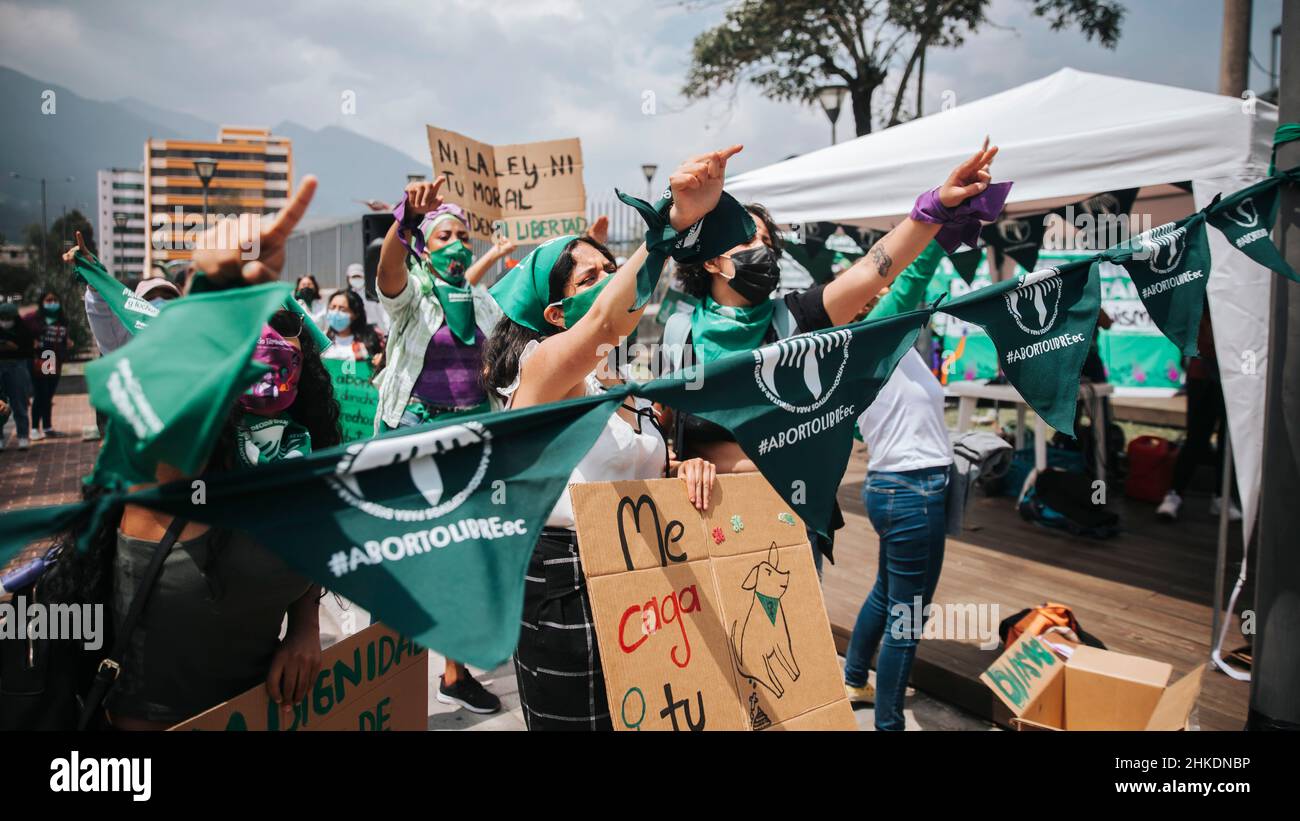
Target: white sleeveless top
{"points": [[620, 453]]}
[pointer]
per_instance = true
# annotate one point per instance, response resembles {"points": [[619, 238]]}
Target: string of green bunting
{"points": [[430, 528]]}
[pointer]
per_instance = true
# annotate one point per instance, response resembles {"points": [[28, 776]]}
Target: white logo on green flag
{"points": [[471, 444], [1029, 303], [800, 368]]}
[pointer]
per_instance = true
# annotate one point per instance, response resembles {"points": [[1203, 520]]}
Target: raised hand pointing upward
{"points": [[245, 250], [969, 178], [697, 186]]}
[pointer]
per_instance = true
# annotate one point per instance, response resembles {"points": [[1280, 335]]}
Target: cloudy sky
{"points": [[521, 70]]}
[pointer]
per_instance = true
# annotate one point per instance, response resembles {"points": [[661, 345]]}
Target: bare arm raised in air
{"points": [[851, 290]]}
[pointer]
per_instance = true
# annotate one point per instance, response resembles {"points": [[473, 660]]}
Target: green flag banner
{"points": [[1170, 267], [357, 398], [967, 263], [169, 391], [1246, 218], [1042, 324], [818, 259], [1017, 237], [793, 405], [133, 312], [428, 528]]}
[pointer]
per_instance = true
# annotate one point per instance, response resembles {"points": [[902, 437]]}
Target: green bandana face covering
{"points": [[451, 261], [455, 297], [524, 292], [717, 330], [575, 307]]}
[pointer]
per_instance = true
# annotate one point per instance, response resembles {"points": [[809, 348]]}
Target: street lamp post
{"points": [[205, 168], [831, 99], [119, 223], [649, 170], [45, 254]]}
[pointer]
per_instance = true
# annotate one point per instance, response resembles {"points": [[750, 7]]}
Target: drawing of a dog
{"points": [[765, 635]]}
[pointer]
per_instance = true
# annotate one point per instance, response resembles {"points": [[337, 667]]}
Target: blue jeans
{"points": [[908, 512], [16, 386]]}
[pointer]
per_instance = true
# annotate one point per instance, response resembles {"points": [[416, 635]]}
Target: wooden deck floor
{"points": [[1146, 592]]}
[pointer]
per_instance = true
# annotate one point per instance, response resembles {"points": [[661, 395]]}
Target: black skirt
{"points": [[557, 663]]}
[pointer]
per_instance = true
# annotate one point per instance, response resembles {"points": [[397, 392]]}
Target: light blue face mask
{"points": [[158, 302], [338, 320]]}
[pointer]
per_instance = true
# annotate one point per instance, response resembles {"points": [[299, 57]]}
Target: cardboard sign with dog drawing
{"points": [[709, 621]]}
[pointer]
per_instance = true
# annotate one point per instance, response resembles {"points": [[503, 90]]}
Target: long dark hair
{"points": [[360, 330], [508, 340], [696, 281]]}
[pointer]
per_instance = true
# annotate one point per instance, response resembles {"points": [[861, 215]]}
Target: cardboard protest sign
{"points": [[529, 192], [374, 680], [711, 621], [357, 398]]}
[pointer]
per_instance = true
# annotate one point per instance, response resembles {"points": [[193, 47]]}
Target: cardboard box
{"points": [[1093, 690], [374, 680], [709, 620]]}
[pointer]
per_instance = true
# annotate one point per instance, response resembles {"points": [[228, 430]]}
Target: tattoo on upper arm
{"points": [[881, 259]]}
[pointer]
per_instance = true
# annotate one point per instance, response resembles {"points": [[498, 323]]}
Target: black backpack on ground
{"points": [[1064, 500]]}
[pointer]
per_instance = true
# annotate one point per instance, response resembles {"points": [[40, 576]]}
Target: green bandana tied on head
{"points": [[717, 330], [261, 440], [524, 292]]}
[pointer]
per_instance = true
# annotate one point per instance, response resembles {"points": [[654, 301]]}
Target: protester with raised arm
{"points": [[566, 305]]}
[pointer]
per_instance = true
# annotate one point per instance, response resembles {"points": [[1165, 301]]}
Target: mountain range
{"points": [[82, 136]]}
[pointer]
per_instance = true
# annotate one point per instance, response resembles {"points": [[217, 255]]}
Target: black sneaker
{"points": [[468, 693]]}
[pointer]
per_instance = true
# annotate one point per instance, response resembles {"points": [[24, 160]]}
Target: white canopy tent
{"points": [[1063, 138]]}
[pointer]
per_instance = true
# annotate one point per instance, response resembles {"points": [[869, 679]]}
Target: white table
{"points": [[971, 391]]}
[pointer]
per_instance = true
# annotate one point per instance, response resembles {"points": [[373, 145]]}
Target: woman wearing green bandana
{"points": [[566, 306], [737, 313], [440, 317]]}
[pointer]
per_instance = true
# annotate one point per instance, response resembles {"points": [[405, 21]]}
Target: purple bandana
{"points": [[961, 225], [417, 225], [278, 387]]}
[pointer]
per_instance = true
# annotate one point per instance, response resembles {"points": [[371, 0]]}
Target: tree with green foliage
{"points": [[791, 48]]}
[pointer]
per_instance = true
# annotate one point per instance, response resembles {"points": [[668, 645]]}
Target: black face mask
{"points": [[757, 273], [307, 294]]}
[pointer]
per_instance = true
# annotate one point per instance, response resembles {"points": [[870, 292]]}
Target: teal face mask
{"points": [[575, 307], [451, 260]]}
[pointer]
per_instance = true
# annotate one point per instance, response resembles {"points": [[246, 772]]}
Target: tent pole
{"points": [[1221, 562]]}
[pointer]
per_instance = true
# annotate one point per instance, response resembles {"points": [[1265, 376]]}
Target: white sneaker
{"points": [[1216, 507], [23, 444], [90, 433], [37, 434], [1169, 508]]}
